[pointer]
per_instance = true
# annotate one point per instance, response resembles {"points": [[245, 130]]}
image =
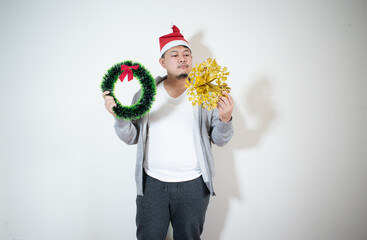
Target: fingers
{"points": [[222, 103], [225, 107], [105, 93], [109, 102], [230, 99], [225, 101]]}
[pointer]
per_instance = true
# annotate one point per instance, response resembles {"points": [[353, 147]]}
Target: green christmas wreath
{"points": [[130, 69]]}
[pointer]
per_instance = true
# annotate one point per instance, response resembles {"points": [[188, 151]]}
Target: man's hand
{"points": [[225, 107], [109, 102]]}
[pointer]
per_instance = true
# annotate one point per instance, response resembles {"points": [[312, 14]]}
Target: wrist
{"points": [[227, 119]]}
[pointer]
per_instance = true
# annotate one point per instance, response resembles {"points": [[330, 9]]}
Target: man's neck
{"points": [[174, 86]]}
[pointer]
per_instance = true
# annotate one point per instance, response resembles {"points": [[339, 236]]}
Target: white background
{"points": [[295, 169]]}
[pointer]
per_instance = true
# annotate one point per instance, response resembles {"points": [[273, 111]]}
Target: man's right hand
{"points": [[109, 102]]}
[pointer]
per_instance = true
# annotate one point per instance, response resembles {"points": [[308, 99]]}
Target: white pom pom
{"points": [[170, 24]]}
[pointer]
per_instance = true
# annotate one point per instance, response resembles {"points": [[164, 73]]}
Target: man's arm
{"points": [[127, 131], [225, 107], [221, 123]]}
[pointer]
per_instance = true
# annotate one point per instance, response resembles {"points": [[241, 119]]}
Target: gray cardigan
{"points": [[212, 130]]}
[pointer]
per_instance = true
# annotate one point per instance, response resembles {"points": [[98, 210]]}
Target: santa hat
{"points": [[172, 40]]}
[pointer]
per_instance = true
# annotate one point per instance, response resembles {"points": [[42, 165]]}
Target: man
{"points": [[174, 165]]}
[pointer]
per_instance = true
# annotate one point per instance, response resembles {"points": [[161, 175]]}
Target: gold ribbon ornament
{"points": [[206, 83]]}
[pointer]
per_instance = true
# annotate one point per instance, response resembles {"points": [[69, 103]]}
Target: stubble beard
{"points": [[182, 76]]}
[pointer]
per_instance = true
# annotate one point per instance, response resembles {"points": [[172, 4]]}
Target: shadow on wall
{"points": [[199, 51], [257, 101]]}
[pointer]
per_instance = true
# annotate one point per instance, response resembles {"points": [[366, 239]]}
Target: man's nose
{"points": [[182, 59]]}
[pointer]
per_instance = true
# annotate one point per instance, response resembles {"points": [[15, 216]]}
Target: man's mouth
{"points": [[183, 66]]}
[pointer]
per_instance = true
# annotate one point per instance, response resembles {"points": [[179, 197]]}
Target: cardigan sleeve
{"points": [[220, 132], [128, 131]]}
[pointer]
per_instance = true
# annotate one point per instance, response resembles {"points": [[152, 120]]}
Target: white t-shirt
{"points": [[172, 152]]}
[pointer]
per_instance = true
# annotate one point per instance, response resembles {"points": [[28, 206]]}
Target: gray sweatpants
{"points": [[182, 203]]}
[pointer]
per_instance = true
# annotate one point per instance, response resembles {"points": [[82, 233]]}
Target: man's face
{"points": [[177, 61]]}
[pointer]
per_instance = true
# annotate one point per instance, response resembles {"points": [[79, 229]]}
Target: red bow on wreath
{"points": [[127, 70]]}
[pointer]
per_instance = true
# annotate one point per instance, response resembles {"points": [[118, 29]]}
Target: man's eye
{"points": [[174, 56]]}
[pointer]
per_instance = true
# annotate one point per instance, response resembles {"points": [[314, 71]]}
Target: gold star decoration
{"points": [[206, 83]]}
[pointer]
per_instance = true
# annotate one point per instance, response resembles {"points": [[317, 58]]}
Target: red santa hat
{"points": [[172, 40]]}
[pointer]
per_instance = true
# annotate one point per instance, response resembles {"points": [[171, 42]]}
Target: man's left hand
{"points": [[225, 107]]}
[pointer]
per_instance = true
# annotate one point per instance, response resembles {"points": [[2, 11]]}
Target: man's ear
{"points": [[161, 61]]}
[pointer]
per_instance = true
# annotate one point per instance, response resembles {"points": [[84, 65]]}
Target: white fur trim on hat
{"points": [[174, 44]]}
